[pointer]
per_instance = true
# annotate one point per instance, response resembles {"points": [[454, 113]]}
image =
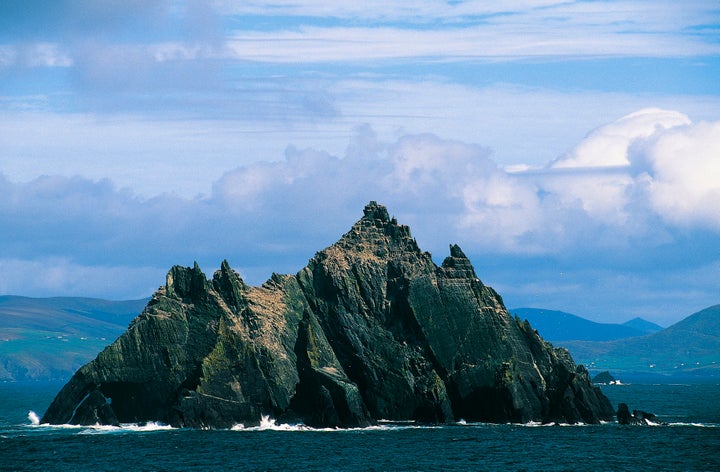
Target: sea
{"points": [[689, 439]]}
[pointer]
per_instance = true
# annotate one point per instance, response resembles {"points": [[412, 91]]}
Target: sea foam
{"points": [[270, 424], [34, 418]]}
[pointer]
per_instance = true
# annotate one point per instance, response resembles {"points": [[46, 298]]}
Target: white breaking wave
{"points": [[270, 424], [529, 424], [126, 427], [98, 428], [538, 424], [34, 418], [696, 425]]}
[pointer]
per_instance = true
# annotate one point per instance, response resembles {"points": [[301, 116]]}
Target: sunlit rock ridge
{"points": [[370, 329]]}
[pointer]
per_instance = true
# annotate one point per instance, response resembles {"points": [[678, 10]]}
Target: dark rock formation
{"points": [[638, 417], [370, 329], [94, 409], [623, 414], [604, 377]]}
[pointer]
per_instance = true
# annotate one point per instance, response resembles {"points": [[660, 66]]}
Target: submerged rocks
{"points": [[371, 329]]}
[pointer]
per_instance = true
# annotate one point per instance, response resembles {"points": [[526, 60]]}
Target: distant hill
{"points": [[643, 326], [690, 348], [50, 338], [560, 326]]}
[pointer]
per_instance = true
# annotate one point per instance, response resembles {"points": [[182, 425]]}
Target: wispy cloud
{"points": [[317, 45], [432, 31], [478, 30], [666, 15]]}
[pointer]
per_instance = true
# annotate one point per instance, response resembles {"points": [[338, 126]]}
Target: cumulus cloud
{"points": [[683, 178], [655, 211], [662, 172], [617, 203], [608, 145], [649, 163], [422, 176]]}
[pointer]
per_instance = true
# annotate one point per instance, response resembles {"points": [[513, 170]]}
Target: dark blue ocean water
{"points": [[691, 441]]}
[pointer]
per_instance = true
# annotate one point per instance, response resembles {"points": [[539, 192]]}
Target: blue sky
{"points": [[572, 148]]}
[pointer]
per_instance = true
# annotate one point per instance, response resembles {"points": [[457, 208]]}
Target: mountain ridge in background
{"points": [[689, 348], [50, 338], [554, 325], [644, 326]]}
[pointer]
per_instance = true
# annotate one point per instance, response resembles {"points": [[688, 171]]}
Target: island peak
{"points": [[370, 329]]}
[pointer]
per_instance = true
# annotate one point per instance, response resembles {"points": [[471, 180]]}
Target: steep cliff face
{"points": [[371, 329]]}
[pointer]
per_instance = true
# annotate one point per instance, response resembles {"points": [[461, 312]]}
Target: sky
{"points": [[571, 148]]}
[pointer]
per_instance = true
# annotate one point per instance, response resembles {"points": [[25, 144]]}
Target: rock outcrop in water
{"points": [[371, 329], [638, 417], [604, 377]]}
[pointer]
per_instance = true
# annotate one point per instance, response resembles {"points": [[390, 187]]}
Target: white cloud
{"points": [[189, 114], [683, 182], [40, 54], [608, 145], [435, 31], [424, 162], [672, 174], [376, 10], [534, 212], [76, 236], [47, 55], [603, 196], [613, 195], [518, 14], [359, 44], [658, 163], [504, 214], [479, 30]]}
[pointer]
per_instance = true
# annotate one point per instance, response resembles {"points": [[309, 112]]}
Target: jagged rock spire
{"points": [[185, 282], [375, 211]]}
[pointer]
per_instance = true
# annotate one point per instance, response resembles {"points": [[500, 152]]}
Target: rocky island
{"points": [[370, 329]]}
